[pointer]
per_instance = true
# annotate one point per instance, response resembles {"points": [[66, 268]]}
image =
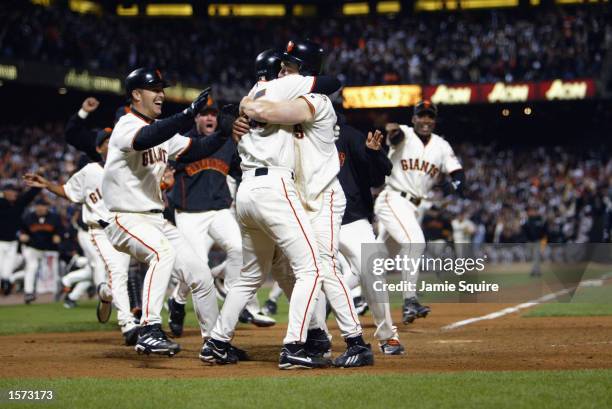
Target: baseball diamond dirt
{"points": [[509, 343]]}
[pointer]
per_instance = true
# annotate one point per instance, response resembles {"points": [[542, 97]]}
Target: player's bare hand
{"points": [[241, 127], [90, 104], [24, 238], [168, 179], [35, 180], [56, 239], [245, 101], [374, 141]]}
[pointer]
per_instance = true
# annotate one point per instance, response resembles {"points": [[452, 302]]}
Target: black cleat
{"points": [[131, 336], [153, 340], [259, 319], [318, 344], [29, 298], [300, 360], [68, 303], [361, 306], [413, 310], [176, 317], [219, 352], [104, 307], [355, 356], [270, 307]]}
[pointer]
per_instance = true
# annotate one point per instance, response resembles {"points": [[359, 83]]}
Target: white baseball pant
{"points": [[270, 214], [202, 230], [93, 258], [33, 257], [116, 264], [151, 239], [352, 236], [398, 217], [79, 280], [275, 292], [8, 257]]}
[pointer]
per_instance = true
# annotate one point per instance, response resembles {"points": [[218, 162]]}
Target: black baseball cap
{"points": [[426, 106], [211, 106], [102, 135]]}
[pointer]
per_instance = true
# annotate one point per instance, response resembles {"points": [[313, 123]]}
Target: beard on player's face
{"points": [[423, 124], [149, 101]]}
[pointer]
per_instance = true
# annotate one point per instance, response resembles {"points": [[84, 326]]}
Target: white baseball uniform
{"points": [[85, 187], [132, 193], [416, 166], [270, 214]]}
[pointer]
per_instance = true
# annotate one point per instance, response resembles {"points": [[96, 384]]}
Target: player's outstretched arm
{"points": [[160, 131], [37, 181], [281, 112], [78, 134], [379, 164]]}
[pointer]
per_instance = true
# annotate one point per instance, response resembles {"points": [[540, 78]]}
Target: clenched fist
{"points": [[90, 104]]}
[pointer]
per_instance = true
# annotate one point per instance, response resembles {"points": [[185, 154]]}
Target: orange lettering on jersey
{"points": [[152, 156], [207, 163], [415, 164], [404, 163], [424, 166], [420, 165]]}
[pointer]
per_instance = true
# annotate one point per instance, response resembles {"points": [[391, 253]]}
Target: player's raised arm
{"points": [[78, 134], [34, 180], [282, 112]]}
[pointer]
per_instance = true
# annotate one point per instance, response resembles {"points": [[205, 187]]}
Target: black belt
{"points": [[264, 172], [415, 200], [102, 223]]}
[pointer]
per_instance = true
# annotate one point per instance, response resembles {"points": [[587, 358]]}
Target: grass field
{"points": [[541, 389]]}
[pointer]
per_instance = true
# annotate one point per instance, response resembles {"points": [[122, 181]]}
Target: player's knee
{"points": [[166, 256]]}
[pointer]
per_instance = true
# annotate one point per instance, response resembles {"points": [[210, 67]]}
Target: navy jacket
{"points": [[42, 229], [10, 214], [202, 185], [361, 168]]}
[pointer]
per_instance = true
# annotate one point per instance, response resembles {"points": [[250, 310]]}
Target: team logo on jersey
{"points": [[154, 155], [207, 163], [420, 165]]}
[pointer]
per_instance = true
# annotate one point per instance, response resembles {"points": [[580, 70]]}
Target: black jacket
{"points": [[42, 229], [10, 214]]}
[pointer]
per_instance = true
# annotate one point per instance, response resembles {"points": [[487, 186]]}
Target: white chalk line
{"points": [[510, 310]]}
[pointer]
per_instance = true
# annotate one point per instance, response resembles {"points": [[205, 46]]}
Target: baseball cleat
{"points": [[355, 356], [300, 360], [219, 352], [131, 336], [361, 306], [176, 317], [318, 343], [28, 298], [270, 307], [153, 340], [105, 306], [68, 303], [413, 310], [257, 319], [392, 346]]}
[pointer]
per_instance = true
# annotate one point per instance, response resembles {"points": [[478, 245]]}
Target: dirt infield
{"points": [[507, 343]]}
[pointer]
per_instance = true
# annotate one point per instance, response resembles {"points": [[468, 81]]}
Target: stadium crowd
{"points": [[570, 190], [429, 48]]}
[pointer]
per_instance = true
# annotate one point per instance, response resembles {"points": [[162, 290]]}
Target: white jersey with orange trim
{"points": [[417, 166], [85, 187], [271, 145], [132, 178], [317, 163]]}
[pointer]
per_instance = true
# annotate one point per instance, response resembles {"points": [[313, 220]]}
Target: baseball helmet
{"points": [[307, 55], [426, 106], [268, 64], [143, 78]]}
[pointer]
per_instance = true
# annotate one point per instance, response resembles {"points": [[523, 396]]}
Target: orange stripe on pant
{"points": [[146, 321], [110, 276], [311, 252], [348, 300]]}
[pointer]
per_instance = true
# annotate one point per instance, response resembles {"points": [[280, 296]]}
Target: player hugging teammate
{"points": [[303, 210]]}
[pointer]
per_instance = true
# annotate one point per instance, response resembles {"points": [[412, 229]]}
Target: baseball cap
{"points": [[211, 106], [425, 106], [102, 135]]}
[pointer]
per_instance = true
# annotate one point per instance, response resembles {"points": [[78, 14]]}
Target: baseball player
{"points": [[202, 200], [85, 187], [139, 149], [42, 231], [364, 165], [419, 157], [271, 216], [12, 206]]}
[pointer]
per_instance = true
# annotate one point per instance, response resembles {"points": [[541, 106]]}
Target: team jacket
{"points": [[202, 185], [360, 169], [42, 229], [81, 137], [10, 214]]}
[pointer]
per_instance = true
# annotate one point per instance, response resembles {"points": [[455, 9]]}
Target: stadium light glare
{"points": [[247, 10], [383, 7], [481, 4], [527, 111], [45, 3], [534, 2], [429, 5], [127, 11], [174, 10], [62, 91], [353, 9], [505, 112], [85, 6], [304, 10]]}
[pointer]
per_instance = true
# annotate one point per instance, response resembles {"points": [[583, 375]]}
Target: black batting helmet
{"points": [[307, 55], [268, 64], [143, 78]]}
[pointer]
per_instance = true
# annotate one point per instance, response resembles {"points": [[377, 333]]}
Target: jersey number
{"points": [[298, 131], [95, 196]]}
